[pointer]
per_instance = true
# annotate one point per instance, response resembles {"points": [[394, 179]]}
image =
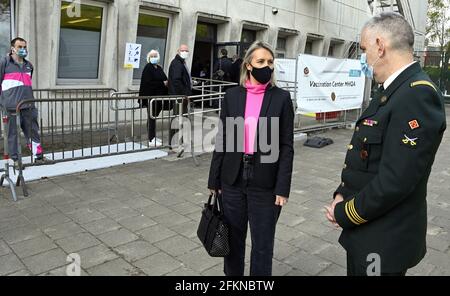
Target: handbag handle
{"points": [[216, 202]]}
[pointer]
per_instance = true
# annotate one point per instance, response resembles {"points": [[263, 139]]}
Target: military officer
{"points": [[381, 202]]}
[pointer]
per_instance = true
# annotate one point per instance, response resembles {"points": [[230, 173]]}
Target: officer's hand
{"points": [[330, 216], [337, 199], [330, 209], [281, 200]]}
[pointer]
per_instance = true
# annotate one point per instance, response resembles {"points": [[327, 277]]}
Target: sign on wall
{"points": [[132, 55], [327, 84]]}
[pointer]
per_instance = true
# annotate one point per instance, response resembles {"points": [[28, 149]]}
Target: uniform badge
{"points": [[383, 99], [413, 124], [411, 142], [364, 154], [370, 122]]}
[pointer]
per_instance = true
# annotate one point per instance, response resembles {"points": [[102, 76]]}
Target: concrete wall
{"points": [[38, 21]]}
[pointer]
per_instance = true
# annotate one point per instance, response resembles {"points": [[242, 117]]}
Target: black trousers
{"points": [[357, 268], [177, 110], [151, 123], [244, 204], [30, 127]]}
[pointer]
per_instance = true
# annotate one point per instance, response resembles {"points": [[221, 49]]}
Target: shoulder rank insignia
{"points": [[423, 82], [412, 142], [370, 122], [413, 124]]}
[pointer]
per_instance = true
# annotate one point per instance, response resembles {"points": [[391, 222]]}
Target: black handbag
{"points": [[213, 231]]}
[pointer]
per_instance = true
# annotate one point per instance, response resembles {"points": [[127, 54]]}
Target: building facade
{"points": [[82, 43]]}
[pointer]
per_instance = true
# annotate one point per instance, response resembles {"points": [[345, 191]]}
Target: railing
{"points": [[69, 93], [79, 128]]}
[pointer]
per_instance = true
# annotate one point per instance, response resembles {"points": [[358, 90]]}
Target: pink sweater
{"points": [[255, 96]]}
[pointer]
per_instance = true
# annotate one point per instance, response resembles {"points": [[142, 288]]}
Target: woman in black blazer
{"points": [[252, 162], [153, 83]]}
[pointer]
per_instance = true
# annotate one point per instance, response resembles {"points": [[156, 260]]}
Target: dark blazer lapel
{"points": [[263, 125], [373, 107], [242, 100], [266, 101]]}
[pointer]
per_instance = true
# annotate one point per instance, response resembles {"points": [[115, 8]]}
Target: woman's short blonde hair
{"points": [[245, 74]]}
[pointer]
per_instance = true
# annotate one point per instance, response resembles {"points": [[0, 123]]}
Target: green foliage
{"points": [[438, 25]]}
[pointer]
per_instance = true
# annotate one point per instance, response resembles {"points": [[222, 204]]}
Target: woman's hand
{"points": [[281, 200], [213, 191]]}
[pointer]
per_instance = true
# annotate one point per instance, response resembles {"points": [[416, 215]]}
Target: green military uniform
{"points": [[385, 175]]}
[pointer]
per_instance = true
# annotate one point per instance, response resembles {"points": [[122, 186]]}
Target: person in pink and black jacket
{"points": [[16, 73], [252, 161]]}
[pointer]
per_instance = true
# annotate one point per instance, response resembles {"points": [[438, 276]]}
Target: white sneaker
{"points": [[155, 143]]}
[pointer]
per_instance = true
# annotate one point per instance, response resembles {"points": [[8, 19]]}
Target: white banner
{"points": [[285, 75], [328, 84], [285, 69]]}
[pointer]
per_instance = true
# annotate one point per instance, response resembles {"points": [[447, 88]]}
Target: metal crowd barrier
{"points": [[69, 93], [80, 128], [7, 120]]}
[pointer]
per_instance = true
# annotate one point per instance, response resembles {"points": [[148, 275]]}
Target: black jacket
{"points": [[152, 82], [225, 165], [179, 78], [386, 170], [236, 70]]}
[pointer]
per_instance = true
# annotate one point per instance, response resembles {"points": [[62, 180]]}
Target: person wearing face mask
{"points": [[16, 73], [252, 162], [381, 203], [180, 82], [153, 83]]}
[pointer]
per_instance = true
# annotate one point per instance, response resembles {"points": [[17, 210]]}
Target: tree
{"points": [[438, 27]]}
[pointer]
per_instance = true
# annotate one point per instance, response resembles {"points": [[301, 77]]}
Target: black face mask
{"points": [[262, 75]]}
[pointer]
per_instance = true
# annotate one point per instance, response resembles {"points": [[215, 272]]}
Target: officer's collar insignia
{"points": [[370, 122], [409, 141], [383, 99], [413, 124]]}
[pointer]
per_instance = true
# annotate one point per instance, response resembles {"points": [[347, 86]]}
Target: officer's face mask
{"points": [[365, 67], [262, 75]]}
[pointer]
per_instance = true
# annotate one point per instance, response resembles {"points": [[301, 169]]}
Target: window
{"points": [[331, 51], [353, 50], [281, 44], [308, 47], [206, 33], [152, 34], [5, 26], [248, 36], [80, 41], [281, 47]]}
